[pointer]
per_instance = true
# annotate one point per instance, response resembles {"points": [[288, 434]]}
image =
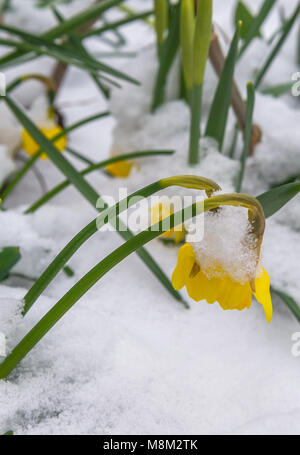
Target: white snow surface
{"points": [[128, 359]]}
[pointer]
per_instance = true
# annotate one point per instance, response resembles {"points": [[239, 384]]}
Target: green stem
{"points": [[287, 28], [247, 137], [114, 25], [195, 131]]}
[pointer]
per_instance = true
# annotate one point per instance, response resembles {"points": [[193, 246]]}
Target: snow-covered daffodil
{"points": [[225, 267], [216, 285]]}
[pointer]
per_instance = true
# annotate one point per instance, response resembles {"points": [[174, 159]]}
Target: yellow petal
{"points": [[121, 169], [185, 262], [31, 147], [263, 295], [197, 287]]}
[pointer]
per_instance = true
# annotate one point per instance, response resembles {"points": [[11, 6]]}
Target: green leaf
{"points": [[79, 47], [217, 120], [257, 22], [247, 136], [9, 257], [41, 46], [168, 53], [86, 190], [278, 90], [275, 51], [51, 3], [242, 13], [289, 301], [68, 26], [273, 200], [115, 25]]}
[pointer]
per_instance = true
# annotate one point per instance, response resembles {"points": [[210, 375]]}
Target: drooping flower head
{"points": [[226, 266]]}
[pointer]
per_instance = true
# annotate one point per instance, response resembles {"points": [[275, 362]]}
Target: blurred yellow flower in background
{"points": [[121, 169], [32, 147], [161, 211]]}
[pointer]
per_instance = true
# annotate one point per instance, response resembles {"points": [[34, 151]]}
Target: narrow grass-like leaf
{"points": [[217, 120], [168, 53], [202, 40], [70, 25], [289, 301], [78, 45], [79, 156], [87, 191], [116, 24], [161, 8], [131, 12], [254, 28], [242, 13], [187, 35], [43, 47], [9, 257], [278, 90], [298, 47], [247, 136], [129, 156], [273, 200], [275, 51], [107, 264]]}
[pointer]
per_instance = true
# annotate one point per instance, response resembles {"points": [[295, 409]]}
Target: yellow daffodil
{"points": [[161, 211], [216, 285], [32, 147], [120, 169]]}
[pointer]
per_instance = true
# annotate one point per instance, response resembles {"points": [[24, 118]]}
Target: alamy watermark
{"points": [[296, 344], [2, 85], [296, 85], [138, 214]]}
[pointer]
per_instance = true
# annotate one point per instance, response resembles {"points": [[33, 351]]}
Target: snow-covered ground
{"points": [[128, 359]]}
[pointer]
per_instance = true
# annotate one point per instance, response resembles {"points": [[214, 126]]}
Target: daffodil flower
{"points": [[50, 131], [216, 285], [44, 117], [121, 169]]}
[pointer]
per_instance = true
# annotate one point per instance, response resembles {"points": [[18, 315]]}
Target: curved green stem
{"points": [[70, 249]]}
